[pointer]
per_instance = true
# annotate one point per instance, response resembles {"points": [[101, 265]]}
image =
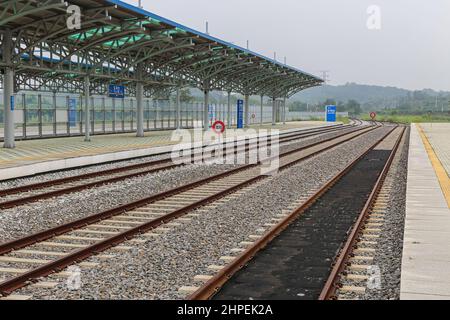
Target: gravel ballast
{"points": [[28, 219], [34, 217], [7, 184], [388, 256], [159, 267]]}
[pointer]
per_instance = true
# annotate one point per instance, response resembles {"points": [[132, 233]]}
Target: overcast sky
{"points": [[411, 50]]}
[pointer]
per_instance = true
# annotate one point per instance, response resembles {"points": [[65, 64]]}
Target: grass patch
{"points": [[344, 120], [409, 118]]}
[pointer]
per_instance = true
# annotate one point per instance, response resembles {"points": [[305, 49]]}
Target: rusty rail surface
{"points": [[211, 287], [46, 184], [57, 265], [342, 260]]}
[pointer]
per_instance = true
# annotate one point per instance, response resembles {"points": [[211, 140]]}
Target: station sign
{"points": [[12, 103], [219, 127], [240, 114], [72, 112], [116, 91], [373, 115], [331, 112], [211, 113]]}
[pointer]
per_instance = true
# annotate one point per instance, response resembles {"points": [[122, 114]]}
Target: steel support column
{"points": [[87, 109], [274, 111], [247, 110], [206, 111], [139, 103], [262, 110], [140, 109], [229, 125], [8, 92], [284, 110], [178, 116], [55, 121]]}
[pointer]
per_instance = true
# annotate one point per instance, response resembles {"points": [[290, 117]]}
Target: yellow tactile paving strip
{"points": [[438, 135], [32, 151], [441, 173]]}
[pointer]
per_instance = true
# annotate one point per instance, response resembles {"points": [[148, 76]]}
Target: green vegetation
{"points": [[405, 118], [344, 120], [351, 106], [377, 98], [390, 103], [185, 96]]}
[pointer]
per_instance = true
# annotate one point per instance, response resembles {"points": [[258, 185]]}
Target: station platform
{"points": [[39, 156], [438, 134], [426, 255]]}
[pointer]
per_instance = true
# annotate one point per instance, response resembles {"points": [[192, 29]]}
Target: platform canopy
{"points": [[116, 40]]}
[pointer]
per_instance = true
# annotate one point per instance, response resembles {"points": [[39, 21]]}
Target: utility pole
{"points": [[207, 27], [326, 76]]}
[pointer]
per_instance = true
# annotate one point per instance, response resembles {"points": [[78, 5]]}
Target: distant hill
{"points": [[364, 94], [367, 95]]}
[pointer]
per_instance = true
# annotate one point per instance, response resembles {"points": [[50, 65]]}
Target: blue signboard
{"points": [[72, 112], [331, 113], [12, 103], [240, 114], [116, 91], [211, 113]]}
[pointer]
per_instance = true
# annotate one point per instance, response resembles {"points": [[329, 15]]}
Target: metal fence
{"points": [[48, 115], [300, 115]]}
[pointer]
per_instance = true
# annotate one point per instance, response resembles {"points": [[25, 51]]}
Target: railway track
{"points": [[28, 259], [356, 122], [353, 271], [293, 259], [29, 193]]}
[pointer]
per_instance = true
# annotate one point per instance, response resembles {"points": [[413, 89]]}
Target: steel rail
{"points": [[44, 235], [342, 260], [54, 193], [22, 280], [211, 287], [45, 184]]}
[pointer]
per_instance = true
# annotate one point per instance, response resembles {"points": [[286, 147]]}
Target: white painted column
{"points": [[178, 116], [139, 103], [229, 111], [206, 111], [284, 110], [8, 92], [246, 110], [262, 110], [274, 111], [140, 109], [87, 110]]}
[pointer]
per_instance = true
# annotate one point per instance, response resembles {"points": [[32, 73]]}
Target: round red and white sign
{"points": [[218, 127], [373, 115]]}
